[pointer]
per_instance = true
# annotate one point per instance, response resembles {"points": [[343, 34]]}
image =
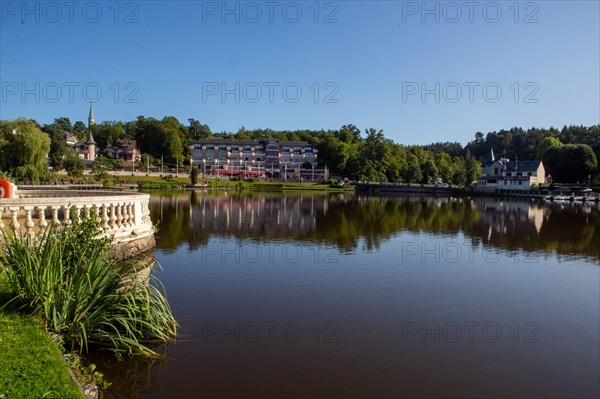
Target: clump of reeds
{"points": [[67, 277]]}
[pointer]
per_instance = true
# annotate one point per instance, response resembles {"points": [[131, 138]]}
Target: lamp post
{"points": [[252, 164], [313, 172], [204, 167]]}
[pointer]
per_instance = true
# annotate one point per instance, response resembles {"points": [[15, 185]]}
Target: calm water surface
{"points": [[302, 295]]}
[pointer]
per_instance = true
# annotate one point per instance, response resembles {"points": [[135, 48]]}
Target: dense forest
{"points": [[569, 154]]}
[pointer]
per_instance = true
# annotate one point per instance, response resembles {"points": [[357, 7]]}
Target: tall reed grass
{"points": [[67, 277]]}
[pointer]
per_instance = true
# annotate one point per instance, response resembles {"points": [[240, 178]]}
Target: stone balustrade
{"points": [[125, 216]]}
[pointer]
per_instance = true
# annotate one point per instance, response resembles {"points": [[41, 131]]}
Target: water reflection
{"points": [[345, 220], [369, 295]]}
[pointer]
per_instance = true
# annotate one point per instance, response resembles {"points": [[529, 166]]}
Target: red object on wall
{"points": [[5, 189]]}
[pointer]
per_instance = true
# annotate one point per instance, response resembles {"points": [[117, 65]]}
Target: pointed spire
{"points": [[90, 139], [91, 117], [492, 157]]}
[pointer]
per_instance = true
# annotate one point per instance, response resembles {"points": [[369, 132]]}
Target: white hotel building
{"points": [[256, 158]]}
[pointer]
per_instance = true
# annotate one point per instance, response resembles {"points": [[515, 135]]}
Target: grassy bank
{"points": [[173, 182], [66, 283], [272, 186], [68, 278], [31, 363]]}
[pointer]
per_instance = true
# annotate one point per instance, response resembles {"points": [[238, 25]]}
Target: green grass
{"points": [[31, 364], [160, 185], [67, 278], [152, 179], [273, 185], [157, 183]]}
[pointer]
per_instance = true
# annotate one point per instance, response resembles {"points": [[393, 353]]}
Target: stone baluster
{"points": [[133, 214], [66, 215], [55, 220], [14, 212], [29, 225], [96, 211], [113, 217], [125, 213], [76, 213], [86, 211], [131, 211], [105, 217], [42, 223], [119, 216]]}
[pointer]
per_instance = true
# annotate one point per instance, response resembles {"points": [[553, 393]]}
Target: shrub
{"points": [[194, 175], [67, 278]]}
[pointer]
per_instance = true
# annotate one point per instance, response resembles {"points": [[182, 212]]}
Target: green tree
{"points": [[570, 163], [80, 127], [430, 172], [349, 134], [197, 130], [108, 133], [73, 164], [102, 166], [443, 162], [546, 144], [459, 172], [194, 175], [413, 170], [472, 169], [24, 149], [58, 147]]}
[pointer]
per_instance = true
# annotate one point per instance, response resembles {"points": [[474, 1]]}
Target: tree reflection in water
{"points": [[344, 220], [349, 223]]}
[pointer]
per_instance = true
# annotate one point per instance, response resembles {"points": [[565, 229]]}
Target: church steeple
{"points": [[91, 144], [90, 139], [492, 157], [91, 117]]}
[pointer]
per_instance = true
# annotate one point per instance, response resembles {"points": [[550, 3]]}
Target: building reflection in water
{"points": [[270, 216], [503, 216], [347, 221]]}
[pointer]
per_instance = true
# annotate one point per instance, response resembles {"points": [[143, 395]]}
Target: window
{"points": [[222, 148], [210, 147], [495, 171], [508, 174]]}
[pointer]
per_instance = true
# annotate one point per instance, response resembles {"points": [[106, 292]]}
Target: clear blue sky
{"points": [[374, 58]]}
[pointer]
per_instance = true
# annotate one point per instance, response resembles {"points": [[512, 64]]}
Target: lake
{"points": [[302, 295]]}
